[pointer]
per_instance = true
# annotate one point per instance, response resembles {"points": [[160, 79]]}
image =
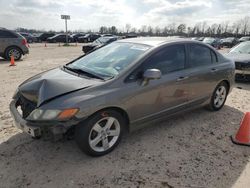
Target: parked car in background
{"points": [[241, 55], [100, 42], [30, 38], [12, 44], [59, 38], [243, 39], [195, 38], [201, 38], [89, 38], [125, 85], [75, 36], [130, 36], [107, 35], [229, 42], [215, 42], [44, 36]]}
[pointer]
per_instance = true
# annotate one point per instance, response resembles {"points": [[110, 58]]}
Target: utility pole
{"points": [[66, 17]]}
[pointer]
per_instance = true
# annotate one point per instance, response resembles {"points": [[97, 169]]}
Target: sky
{"points": [[91, 14]]}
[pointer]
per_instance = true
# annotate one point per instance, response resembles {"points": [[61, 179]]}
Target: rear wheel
{"points": [[101, 133], [219, 97], [13, 51]]}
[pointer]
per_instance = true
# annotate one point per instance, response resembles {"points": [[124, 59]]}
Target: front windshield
{"points": [[243, 48], [244, 38], [101, 40], [110, 60]]}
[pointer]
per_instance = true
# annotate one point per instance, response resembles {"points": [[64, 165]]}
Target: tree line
{"points": [[238, 28]]}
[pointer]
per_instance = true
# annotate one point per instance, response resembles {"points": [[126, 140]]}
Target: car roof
{"points": [[154, 41]]}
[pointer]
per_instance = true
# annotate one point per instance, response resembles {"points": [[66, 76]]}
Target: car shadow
{"points": [[4, 61], [188, 150]]}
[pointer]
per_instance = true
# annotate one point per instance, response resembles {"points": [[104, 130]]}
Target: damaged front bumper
{"points": [[49, 130]]}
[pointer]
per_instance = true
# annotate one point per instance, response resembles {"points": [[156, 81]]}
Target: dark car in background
{"points": [[229, 42], [44, 36], [100, 42], [244, 39], [214, 42], [120, 87], [89, 37], [12, 44], [59, 38], [75, 36], [241, 55], [29, 37]]}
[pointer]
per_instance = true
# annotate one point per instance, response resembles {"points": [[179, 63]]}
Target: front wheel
{"points": [[101, 133], [219, 97]]}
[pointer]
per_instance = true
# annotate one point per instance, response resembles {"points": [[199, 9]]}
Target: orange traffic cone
{"points": [[243, 135], [12, 61]]}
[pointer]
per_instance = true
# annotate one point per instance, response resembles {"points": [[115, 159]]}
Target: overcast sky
{"points": [[91, 14]]}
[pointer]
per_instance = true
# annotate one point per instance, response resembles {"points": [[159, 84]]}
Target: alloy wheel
{"points": [[15, 53], [220, 96], [104, 134]]}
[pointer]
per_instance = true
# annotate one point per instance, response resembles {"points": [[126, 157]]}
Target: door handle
{"points": [[182, 78], [214, 70]]}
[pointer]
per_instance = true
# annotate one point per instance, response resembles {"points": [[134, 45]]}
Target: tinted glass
{"points": [[7, 34], [199, 55], [170, 59]]}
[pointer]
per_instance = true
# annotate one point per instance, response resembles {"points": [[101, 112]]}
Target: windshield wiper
{"points": [[81, 71]]}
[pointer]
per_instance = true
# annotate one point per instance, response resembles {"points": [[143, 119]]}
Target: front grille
{"points": [[26, 105], [242, 66]]}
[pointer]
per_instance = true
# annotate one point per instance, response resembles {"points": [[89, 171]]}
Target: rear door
{"points": [[203, 70]]}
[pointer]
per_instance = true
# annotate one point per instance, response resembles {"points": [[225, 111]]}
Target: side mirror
{"points": [[152, 74]]}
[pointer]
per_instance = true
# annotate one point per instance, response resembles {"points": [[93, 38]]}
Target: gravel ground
{"points": [[189, 150]]}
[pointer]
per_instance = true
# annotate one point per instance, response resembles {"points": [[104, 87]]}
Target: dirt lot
{"points": [[190, 150]]}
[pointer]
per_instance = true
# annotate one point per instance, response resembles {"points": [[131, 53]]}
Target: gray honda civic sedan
{"points": [[120, 87]]}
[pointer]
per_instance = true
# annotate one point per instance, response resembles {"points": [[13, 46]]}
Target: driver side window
{"points": [[169, 59]]}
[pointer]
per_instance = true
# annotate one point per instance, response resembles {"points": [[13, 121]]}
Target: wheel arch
{"points": [[227, 83], [120, 111]]}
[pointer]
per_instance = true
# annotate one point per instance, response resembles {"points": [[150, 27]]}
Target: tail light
{"points": [[24, 42]]}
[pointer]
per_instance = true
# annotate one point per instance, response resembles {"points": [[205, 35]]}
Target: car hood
{"points": [[239, 57], [53, 83]]}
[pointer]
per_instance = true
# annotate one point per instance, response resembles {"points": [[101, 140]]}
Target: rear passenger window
{"points": [[7, 34], [169, 59], [200, 55]]}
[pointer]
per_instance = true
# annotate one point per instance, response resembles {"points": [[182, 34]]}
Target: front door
{"points": [[162, 95]]}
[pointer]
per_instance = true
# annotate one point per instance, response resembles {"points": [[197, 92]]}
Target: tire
{"points": [[104, 136], [16, 52], [219, 97]]}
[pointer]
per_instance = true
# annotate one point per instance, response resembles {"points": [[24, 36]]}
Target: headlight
{"points": [[39, 114]]}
